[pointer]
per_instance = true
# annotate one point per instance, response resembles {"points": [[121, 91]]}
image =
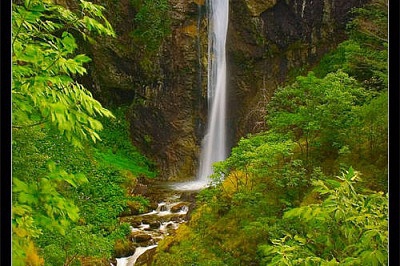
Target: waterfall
{"points": [[213, 147]]}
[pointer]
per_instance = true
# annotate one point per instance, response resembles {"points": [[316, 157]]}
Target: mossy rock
{"points": [[123, 248]]}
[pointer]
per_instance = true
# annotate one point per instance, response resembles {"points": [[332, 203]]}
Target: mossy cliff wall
{"points": [[166, 89]]}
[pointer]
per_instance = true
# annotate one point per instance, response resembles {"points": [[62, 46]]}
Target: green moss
{"points": [[121, 162], [116, 149]]}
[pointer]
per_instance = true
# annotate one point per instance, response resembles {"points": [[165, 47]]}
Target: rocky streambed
{"points": [[171, 207]]}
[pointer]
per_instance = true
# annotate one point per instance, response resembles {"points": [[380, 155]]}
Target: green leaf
{"points": [[81, 58], [19, 186], [333, 183], [52, 166], [21, 210], [68, 42]]}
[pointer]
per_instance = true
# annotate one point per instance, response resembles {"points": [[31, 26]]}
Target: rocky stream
{"points": [[172, 205]]}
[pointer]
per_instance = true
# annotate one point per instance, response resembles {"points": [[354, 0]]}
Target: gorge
{"points": [[267, 41], [200, 132]]}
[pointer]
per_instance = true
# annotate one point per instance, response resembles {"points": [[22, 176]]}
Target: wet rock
{"points": [[264, 50], [153, 205], [192, 206], [155, 225], [147, 220], [169, 226], [135, 223], [163, 208], [141, 238], [178, 207], [149, 228], [127, 219], [177, 219], [134, 207], [123, 248], [146, 258]]}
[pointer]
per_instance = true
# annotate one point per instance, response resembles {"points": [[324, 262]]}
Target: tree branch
{"points": [[31, 125]]}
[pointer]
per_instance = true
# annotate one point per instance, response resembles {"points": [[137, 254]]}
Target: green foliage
{"points": [[370, 24], [39, 201], [186, 253], [347, 228], [44, 65], [364, 56], [59, 217], [315, 112], [235, 214], [116, 151], [77, 242], [260, 211], [100, 198], [44, 93], [152, 23], [51, 209], [257, 155], [367, 142], [100, 201], [24, 230]]}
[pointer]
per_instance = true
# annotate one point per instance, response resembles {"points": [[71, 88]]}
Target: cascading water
{"points": [[214, 143], [213, 148], [149, 228], [130, 261]]}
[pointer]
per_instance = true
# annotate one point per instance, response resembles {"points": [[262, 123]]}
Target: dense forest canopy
{"points": [[311, 189]]}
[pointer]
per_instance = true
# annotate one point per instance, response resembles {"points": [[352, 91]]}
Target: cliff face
{"points": [[165, 119], [267, 41]]}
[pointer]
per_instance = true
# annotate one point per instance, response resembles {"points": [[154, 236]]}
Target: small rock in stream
{"points": [[178, 207], [155, 225], [142, 238]]}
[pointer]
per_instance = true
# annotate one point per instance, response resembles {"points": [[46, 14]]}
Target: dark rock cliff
{"points": [[267, 41]]}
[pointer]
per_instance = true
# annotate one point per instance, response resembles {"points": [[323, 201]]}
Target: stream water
{"points": [[129, 261], [149, 228]]}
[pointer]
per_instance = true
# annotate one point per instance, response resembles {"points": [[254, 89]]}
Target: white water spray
{"points": [[214, 143]]}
